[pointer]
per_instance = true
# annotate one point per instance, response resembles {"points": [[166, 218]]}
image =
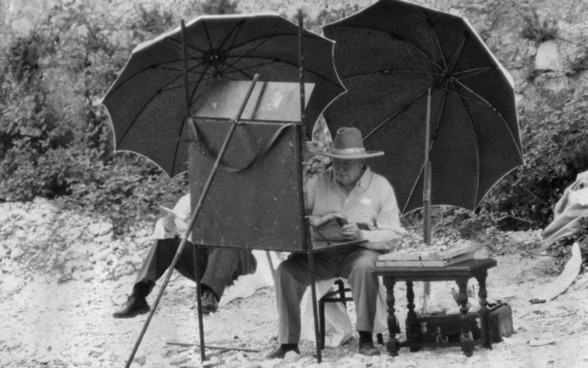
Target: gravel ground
{"points": [[62, 276]]}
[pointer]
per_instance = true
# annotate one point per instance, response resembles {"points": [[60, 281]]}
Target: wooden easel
{"points": [[235, 122]]}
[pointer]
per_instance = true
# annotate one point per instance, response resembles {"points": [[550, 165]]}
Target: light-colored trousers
{"points": [[292, 279]]}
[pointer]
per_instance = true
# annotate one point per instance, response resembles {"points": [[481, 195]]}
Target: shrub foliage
{"points": [[56, 140]]}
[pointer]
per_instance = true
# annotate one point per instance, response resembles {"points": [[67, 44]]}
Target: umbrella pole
{"points": [[317, 332], [427, 196], [427, 175], [191, 224]]}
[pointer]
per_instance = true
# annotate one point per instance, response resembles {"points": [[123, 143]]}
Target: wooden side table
{"points": [[460, 273]]}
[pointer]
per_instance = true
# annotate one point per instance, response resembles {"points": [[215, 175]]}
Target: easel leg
{"points": [[199, 305]]}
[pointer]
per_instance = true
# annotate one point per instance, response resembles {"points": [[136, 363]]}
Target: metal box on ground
{"points": [[444, 329]]}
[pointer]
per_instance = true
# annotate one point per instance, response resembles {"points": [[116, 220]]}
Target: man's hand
{"points": [[317, 221], [169, 224], [351, 232]]}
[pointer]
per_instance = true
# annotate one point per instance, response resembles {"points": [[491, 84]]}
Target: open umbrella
{"points": [[148, 101], [169, 79], [424, 88], [389, 57]]}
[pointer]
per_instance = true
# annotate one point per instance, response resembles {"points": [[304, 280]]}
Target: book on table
{"points": [[431, 256]]}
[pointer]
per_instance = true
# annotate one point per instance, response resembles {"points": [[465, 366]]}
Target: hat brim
{"points": [[349, 156]]}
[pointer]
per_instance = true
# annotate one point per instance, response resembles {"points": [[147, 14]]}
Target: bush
{"points": [[538, 28], [126, 190], [55, 140], [556, 150]]}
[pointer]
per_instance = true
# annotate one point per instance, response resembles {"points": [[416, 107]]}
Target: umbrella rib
{"points": [[143, 109], [488, 104], [250, 50], [502, 119], [164, 88], [448, 68], [473, 126], [387, 71], [208, 39], [177, 45], [398, 38], [437, 39], [480, 100], [472, 72], [234, 33], [231, 66], [183, 124], [274, 60], [238, 58], [393, 115], [457, 53]]}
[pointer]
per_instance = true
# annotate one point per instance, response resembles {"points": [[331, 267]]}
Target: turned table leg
{"points": [[467, 343], [484, 312], [392, 345], [411, 318]]}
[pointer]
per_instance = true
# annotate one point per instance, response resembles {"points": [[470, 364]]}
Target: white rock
{"points": [[106, 238], [291, 356], [141, 360], [16, 253], [548, 57], [100, 228]]}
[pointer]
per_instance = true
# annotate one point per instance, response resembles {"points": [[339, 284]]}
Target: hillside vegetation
{"points": [[60, 58]]}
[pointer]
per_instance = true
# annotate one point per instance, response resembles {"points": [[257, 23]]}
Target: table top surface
{"points": [[468, 268]]}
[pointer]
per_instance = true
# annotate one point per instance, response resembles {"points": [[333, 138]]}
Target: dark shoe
{"points": [[133, 307], [281, 351], [209, 302], [368, 348]]}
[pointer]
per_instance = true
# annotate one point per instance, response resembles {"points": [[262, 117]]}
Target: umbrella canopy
{"points": [[147, 103], [389, 56]]}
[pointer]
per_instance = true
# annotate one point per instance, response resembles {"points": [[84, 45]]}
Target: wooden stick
{"points": [[217, 347]]}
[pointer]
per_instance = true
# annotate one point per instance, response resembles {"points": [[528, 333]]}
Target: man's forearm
{"points": [[381, 239]]}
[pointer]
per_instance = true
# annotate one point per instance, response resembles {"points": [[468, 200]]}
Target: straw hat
{"points": [[348, 145]]}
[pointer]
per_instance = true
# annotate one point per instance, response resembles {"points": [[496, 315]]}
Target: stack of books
{"points": [[430, 256]]}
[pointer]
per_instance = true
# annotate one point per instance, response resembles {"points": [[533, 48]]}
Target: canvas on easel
{"points": [[257, 200]]}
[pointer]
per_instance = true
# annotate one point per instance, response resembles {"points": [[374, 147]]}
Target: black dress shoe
{"points": [[281, 351], [209, 302], [133, 307], [368, 348]]}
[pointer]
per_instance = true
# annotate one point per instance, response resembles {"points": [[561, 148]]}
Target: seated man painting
{"points": [[348, 190], [218, 267]]}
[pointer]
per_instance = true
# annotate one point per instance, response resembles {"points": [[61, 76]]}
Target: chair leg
{"points": [[321, 317], [380, 339], [341, 292]]}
